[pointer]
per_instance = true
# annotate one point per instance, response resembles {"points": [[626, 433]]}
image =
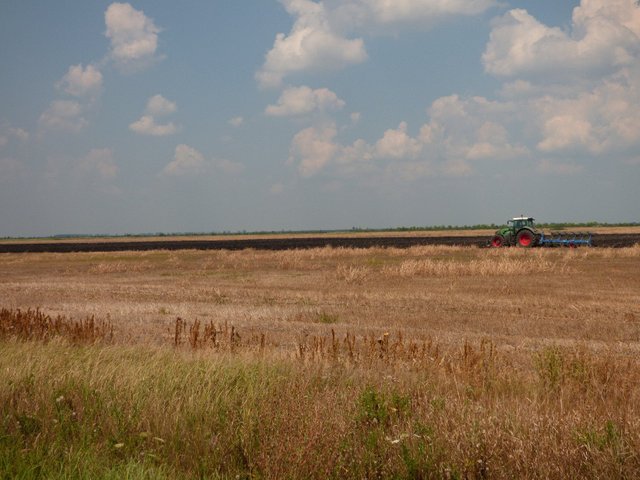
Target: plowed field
{"points": [[284, 243]]}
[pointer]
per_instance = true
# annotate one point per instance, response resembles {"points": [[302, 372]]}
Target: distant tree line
{"points": [[415, 228]]}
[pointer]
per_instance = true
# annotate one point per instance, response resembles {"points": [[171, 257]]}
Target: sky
{"points": [[253, 115]]}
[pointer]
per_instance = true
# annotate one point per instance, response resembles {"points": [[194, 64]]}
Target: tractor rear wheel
{"points": [[497, 241], [525, 238]]}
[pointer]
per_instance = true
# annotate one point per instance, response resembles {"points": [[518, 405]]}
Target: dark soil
{"points": [[611, 240]]}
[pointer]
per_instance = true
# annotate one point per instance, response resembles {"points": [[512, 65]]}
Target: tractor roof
{"points": [[523, 218]]}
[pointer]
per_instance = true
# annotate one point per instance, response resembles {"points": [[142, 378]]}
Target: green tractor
{"points": [[520, 231]]}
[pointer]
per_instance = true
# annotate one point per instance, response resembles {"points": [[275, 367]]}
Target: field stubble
{"points": [[417, 363]]}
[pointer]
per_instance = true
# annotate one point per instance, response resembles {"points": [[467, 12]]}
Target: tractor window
{"points": [[520, 223]]}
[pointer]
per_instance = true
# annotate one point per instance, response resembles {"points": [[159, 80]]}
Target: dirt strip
{"points": [[287, 243]]}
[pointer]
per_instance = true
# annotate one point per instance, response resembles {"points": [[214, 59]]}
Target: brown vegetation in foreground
{"points": [[36, 325], [429, 362]]}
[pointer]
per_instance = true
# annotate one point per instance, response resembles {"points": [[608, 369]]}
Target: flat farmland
{"points": [[418, 362], [601, 237]]}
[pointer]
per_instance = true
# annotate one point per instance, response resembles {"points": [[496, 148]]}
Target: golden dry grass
{"points": [[516, 297], [429, 362]]}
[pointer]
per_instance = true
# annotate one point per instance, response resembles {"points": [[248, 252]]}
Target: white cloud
{"points": [[304, 100], [320, 38], [81, 82], [397, 144], [358, 152], [459, 136], [159, 106], [579, 88], [475, 128], [312, 44], [594, 118], [601, 120], [100, 162], [236, 121], [492, 142], [147, 125], [605, 35], [316, 149], [562, 131], [133, 36], [363, 13], [313, 148], [63, 115], [187, 160]]}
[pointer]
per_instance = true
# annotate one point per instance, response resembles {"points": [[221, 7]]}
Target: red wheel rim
{"points": [[496, 242], [525, 239]]}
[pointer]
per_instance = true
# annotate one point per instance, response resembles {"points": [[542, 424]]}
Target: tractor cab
{"points": [[518, 223]]}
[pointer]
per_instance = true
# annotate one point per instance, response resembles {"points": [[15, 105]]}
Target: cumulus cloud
{"points": [[146, 125], [459, 135], [395, 143], [189, 161], [580, 88], [463, 134], [304, 100], [475, 128], [133, 36], [186, 160], [312, 44], [157, 106], [603, 119], [604, 36], [562, 131], [81, 82], [362, 13], [313, 148], [100, 162], [325, 35], [63, 115]]}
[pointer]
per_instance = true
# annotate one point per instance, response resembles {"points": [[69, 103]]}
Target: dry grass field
{"points": [[427, 362]]}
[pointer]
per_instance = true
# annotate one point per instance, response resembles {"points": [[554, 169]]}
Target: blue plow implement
{"points": [[565, 239]]}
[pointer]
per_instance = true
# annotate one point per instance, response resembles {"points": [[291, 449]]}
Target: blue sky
{"points": [[153, 116]]}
